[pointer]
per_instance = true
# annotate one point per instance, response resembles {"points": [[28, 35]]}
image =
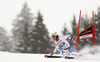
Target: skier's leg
{"points": [[76, 54], [72, 52], [60, 50], [66, 53], [71, 49]]}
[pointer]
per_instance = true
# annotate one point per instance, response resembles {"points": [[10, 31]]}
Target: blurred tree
{"points": [[25, 41], [22, 27], [41, 42], [74, 27], [5, 44], [74, 30], [65, 30], [87, 23], [97, 26]]}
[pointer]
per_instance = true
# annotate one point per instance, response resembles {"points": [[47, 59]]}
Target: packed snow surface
{"points": [[21, 57]]}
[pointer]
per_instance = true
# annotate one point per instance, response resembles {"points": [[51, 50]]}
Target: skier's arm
{"points": [[68, 37], [54, 51], [57, 49]]}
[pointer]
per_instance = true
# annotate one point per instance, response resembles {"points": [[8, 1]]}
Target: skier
{"points": [[62, 46]]}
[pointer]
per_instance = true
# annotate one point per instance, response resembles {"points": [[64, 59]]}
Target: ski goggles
{"points": [[53, 36]]}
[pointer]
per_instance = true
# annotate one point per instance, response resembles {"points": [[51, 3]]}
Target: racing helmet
{"points": [[55, 34]]}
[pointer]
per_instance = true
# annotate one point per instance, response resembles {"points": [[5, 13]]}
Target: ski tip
{"points": [[69, 57], [66, 57], [46, 56]]}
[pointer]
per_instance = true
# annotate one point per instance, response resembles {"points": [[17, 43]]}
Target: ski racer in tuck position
{"points": [[62, 46]]}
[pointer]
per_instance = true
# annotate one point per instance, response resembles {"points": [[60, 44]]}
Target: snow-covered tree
{"points": [[41, 42], [22, 27], [97, 26], [5, 44], [65, 31]]}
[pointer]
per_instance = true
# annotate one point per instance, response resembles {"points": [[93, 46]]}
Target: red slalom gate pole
{"points": [[94, 32], [78, 30]]}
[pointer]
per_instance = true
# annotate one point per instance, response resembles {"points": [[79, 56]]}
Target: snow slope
{"points": [[17, 57]]}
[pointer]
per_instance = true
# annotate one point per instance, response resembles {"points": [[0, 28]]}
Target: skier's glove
{"points": [[52, 53], [72, 38]]}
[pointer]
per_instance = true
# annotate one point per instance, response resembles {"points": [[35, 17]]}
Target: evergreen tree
{"points": [[22, 27], [87, 23], [65, 30], [74, 30], [97, 26], [41, 42], [5, 44], [25, 42], [74, 27]]}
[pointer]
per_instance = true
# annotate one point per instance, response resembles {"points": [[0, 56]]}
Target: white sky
{"points": [[55, 12]]}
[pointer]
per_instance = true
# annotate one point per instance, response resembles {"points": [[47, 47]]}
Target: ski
{"points": [[69, 57], [47, 56]]}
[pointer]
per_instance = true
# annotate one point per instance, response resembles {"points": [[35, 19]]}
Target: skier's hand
{"points": [[72, 38], [52, 53], [74, 42]]}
